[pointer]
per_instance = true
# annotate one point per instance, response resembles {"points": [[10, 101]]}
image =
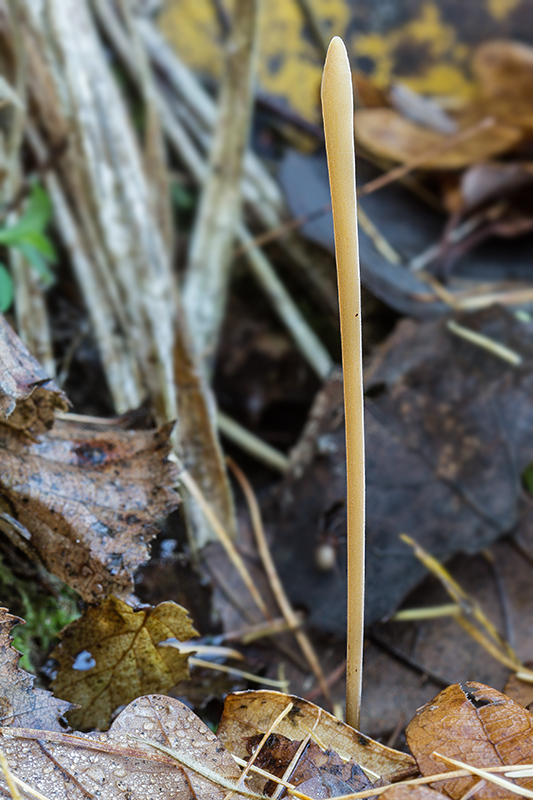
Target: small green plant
{"points": [[45, 614], [28, 236]]}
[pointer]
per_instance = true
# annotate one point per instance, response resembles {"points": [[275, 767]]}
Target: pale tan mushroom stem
{"points": [[337, 106]]}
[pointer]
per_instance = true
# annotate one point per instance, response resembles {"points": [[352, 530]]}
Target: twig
{"points": [[154, 145], [429, 612], [309, 344], [471, 612], [479, 339], [380, 243], [30, 306], [233, 554], [275, 582], [180, 140], [282, 686], [118, 362], [331, 680], [482, 773], [208, 271], [252, 444], [426, 157], [315, 26], [190, 90], [425, 258]]}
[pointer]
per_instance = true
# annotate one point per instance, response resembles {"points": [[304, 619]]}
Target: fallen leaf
{"points": [[448, 430], [520, 691], [504, 71], [249, 713], [28, 397], [476, 725], [86, 500], [112, 654], [386, 133], [399, 792], [21, 704], [426, 43], [484, 182], [118, 766], [367, 93], [317, 773]]}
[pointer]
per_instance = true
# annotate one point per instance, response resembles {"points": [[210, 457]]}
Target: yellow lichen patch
{"points": [[427, 51], [445, 80], [442, 56], [500, 9], [290, 65], [191, 27]]}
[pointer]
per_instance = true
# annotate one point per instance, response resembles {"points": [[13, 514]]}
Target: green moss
{"points": [[45, 613]]}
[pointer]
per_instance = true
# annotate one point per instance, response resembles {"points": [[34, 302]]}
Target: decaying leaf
{"points": [[519, 691], [117, 766], [28, 398], [317, 773], [111, 655], [448, 429], [21, 704], [399, 792], [386, 133], [504, 71], [476, 725], [249, 713], [86, 500]]}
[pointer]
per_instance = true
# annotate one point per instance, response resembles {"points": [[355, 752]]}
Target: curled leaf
{"points": [[476, 725], [21, 704], [28, 398], [249, 713], [504, 70], [387, 134]]}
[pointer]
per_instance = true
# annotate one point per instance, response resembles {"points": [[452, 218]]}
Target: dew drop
{"points": [[148, 726], [84, 661]]}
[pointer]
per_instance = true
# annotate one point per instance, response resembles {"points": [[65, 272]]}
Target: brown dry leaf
{"points": [[316, 773], [249, 713], [111, 655], [399, 792], [520, 691], [367, 93], [117, 766], [28, 398], [504, 70], [386, 133], [449, 431], [20, 703], [86, 500], [474, 724]]}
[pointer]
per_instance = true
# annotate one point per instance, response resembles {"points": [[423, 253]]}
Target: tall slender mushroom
{"points": [[337, 107]]}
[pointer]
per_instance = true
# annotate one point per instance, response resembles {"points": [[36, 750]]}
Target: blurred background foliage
{"points": [[424, 43]]}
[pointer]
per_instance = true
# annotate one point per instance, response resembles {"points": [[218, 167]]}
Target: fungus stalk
{"points": [[337, 107]]}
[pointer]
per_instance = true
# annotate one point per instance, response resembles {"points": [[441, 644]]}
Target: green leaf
{"points": [[33, 221], [6, 289], [527, 479], [39, 242], [38, 211], [37, 261]]}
